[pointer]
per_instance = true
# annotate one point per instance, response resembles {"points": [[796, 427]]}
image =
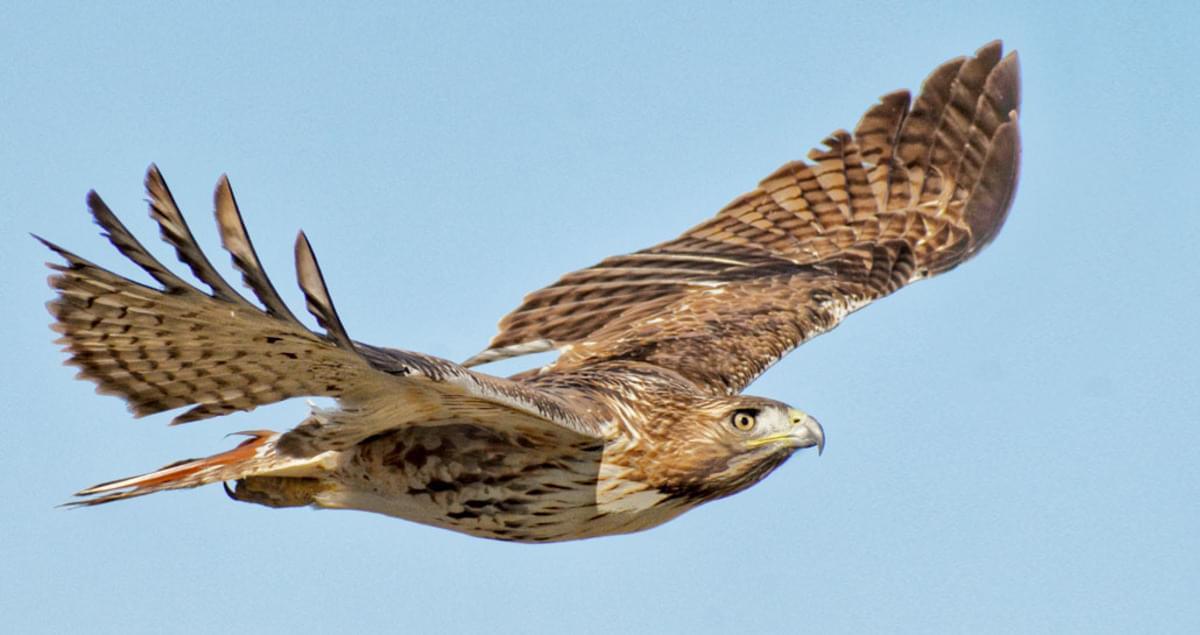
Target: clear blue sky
{"points": [[1012, 447]]}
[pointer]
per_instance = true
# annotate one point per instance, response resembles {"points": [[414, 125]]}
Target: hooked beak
{"points": [[804, 433], [807, 431]]}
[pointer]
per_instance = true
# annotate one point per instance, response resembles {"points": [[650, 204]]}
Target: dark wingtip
{"points": [[1008, 71], [316, 293], [154, 182], [223, 188], [236, 241], [302, 242], [52, 246], [987, 208], [991, 48]]}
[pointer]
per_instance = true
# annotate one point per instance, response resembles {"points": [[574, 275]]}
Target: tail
{"points": [[252, 456]]}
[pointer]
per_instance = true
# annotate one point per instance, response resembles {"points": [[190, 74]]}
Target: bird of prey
{"points": [[640, 417]]}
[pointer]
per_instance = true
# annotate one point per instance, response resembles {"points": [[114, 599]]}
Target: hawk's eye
{"points": [[744, 420]]}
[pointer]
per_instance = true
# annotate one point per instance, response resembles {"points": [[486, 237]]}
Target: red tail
{"points": [[225, 466]]}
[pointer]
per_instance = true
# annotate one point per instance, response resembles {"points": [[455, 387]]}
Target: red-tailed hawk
{"points": [[637, 421]]}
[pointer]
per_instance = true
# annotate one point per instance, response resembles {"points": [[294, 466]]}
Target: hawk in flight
{"points": [[638, 420]]}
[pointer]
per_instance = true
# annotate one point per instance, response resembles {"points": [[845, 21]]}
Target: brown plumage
{"points": [[638, 420]]}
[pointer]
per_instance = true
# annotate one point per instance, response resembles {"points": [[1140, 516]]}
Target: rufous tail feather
{"points": [[247, 458]]}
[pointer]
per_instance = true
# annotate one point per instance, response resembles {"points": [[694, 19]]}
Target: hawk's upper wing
{"points": [[161, 349], [916, 190]]}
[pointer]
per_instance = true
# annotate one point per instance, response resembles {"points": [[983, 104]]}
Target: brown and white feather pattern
{"points": [[636, 422], [162, 349], [911, 193]]}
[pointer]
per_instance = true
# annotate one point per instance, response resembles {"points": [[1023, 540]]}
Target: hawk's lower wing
{"points": [[913, 192], [162, 349]]}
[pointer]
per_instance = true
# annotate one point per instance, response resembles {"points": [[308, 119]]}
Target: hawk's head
{"points": [[723, 445]]}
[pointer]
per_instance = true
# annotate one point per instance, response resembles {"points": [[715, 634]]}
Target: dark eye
{"points": [[744, 420]]}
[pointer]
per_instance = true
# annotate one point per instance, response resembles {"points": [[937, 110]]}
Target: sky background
{"points": [[1012, 447]]}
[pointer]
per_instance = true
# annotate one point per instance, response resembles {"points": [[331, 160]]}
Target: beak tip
{"points": [[819, 433], [807, 432]]}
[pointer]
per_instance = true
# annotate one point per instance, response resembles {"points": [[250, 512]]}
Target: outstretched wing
{"points": [[165, 348], [917, 189]]}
